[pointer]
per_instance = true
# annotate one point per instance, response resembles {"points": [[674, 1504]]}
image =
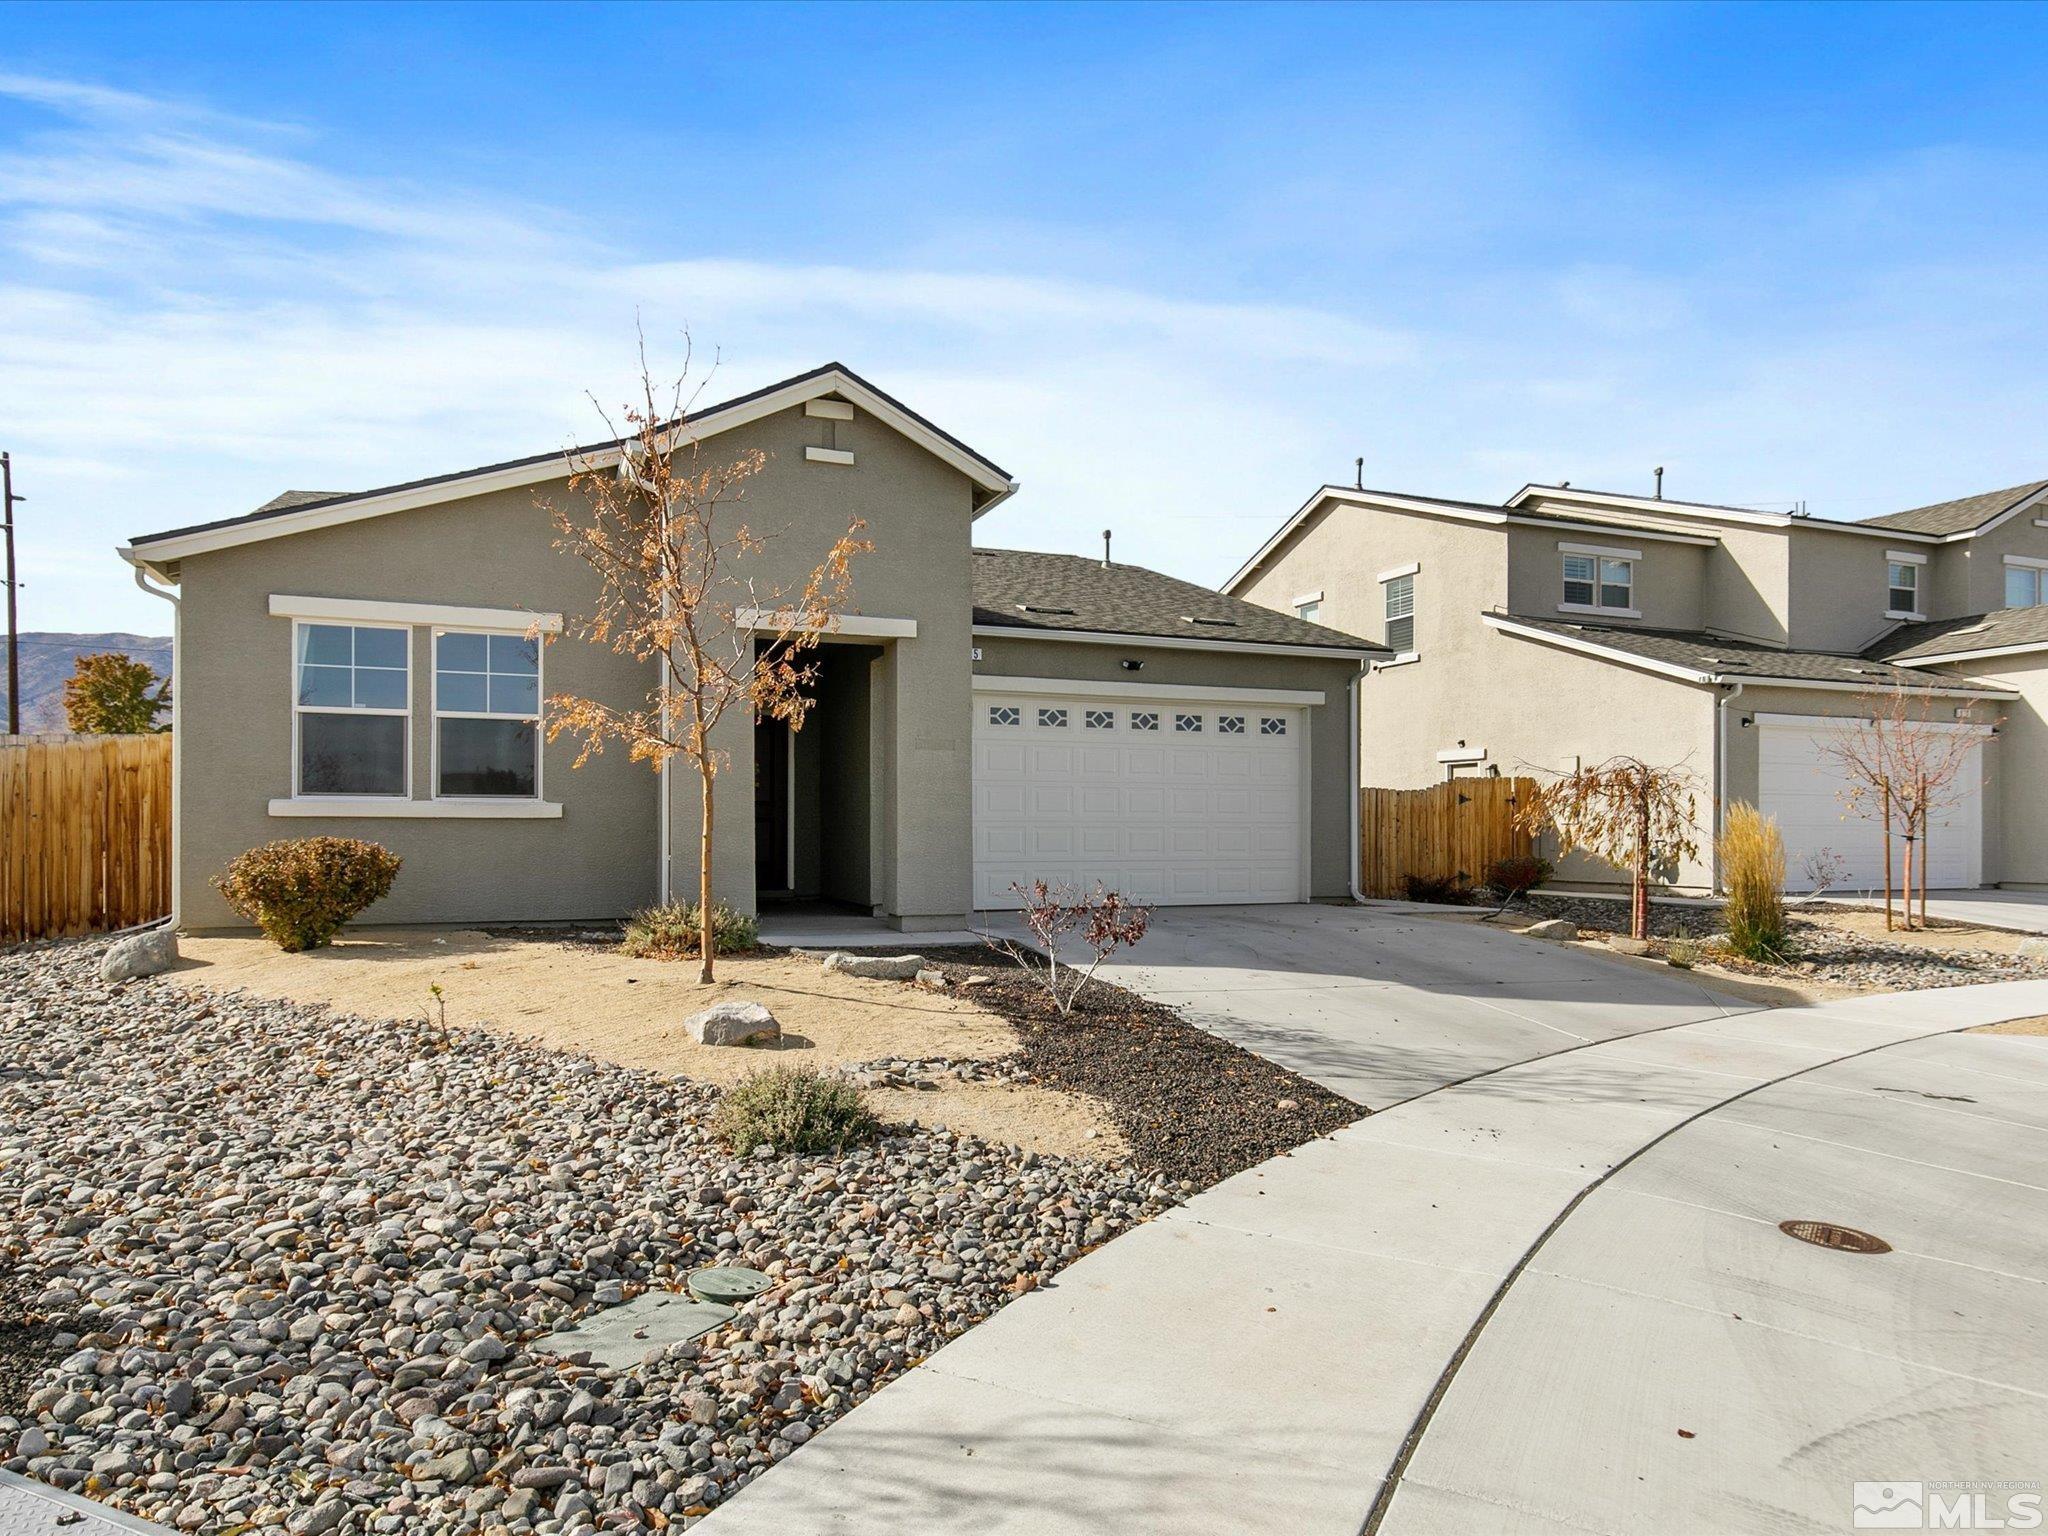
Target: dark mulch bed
{"points": [[28, 1341], [1191, 1105]]}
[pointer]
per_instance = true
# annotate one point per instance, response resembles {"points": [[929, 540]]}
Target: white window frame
{"points": [[435, 715], [1600, 555], [298, 709], [2038, 567], [1387, 578], [1914, 565], [1308, 606]]}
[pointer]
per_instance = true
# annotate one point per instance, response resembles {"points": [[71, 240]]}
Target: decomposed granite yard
{"points": [[268, 1266]]}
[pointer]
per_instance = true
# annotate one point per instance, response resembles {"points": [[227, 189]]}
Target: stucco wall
{"points": [[235, 720], [1332, 792], [601, 857], [1670, 579], [1839, 581], [1971, 578]]}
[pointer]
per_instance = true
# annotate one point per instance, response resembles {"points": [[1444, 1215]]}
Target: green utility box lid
{"points": [[728, 1283]]}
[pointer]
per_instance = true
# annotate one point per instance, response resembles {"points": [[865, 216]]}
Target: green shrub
{"points": [[1509, 878], [301, 890], [670, 932], [1753, 876], [1682, 953], [793, 1109], [1446, 890]]}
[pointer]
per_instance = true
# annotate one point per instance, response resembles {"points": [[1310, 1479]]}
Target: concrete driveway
{"points": [[1551, 1296], [2023, 911], [1380, 1003]]}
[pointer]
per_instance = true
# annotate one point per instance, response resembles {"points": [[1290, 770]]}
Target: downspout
{"points": [[1721, 778], [1356, 690], [177, 734]]}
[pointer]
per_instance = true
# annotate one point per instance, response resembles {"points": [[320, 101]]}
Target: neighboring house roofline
{"points": [[1870, 528], [1591, 645], [2032, 647], [1986, 507], [1433, 506], [832, 379], [1175, 642]]}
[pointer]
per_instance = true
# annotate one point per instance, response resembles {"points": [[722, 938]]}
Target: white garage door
{"points": [[1169, 802], [1801, 785]]}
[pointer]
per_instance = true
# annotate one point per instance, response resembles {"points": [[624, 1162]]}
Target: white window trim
{"points": [[1402, 659], [863, 625], [1913, 614], [1414, 569], [1412, 573], [1308, 597], [1904, 557], [436, 714], [1610, 551], [1463, 755], [452, 810], [2027, 562], [828, 455], [298, 709], [355, 610], [1597, 553]]}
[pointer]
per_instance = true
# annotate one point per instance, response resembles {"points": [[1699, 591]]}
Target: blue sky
{"points": [[1173, 267]]}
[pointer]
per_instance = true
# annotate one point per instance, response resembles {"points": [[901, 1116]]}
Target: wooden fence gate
{"points": [[1449, 831], [85, 833]]}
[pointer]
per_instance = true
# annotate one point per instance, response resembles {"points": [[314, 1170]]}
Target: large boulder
{"points": [[140, 954], [733, 1023], [877, 967], [1553, 928]]}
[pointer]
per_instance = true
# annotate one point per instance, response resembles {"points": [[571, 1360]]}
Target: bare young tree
{"points": [[1901, 765], [664, 534], [1106, 921], [1633, 814]]}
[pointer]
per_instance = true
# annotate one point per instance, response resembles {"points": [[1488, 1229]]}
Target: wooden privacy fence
{"points": [[85, 833], [1444, 832]]}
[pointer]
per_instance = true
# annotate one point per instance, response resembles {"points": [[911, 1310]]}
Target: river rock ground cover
{"points": [[277, 1268], [1836, 950]]}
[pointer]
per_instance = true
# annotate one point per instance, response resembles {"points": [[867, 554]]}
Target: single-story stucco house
{"points": [[358, 664]]}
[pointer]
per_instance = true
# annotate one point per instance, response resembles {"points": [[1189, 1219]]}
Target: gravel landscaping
{"points": [[275, 1268], [1189, 1103], [1830, 945]]}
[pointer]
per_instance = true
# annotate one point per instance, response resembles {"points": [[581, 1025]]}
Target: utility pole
{"points": [[7, 501]]}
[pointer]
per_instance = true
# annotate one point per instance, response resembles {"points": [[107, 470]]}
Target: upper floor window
{"points": [[1902, 583], [1605, 583], [486, 715], [1400, 598], [2023, 585], [1309, 611], [351, 708]]}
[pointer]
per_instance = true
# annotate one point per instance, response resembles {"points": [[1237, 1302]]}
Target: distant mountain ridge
{"points": [[47, 658]]}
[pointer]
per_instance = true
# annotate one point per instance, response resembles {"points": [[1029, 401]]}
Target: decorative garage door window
{"points": [[486, 716], [1273, 725], [1100, 719], [1054, 719], [352, 709], [1187, 722], [1005, 714], [1144, 720], [1230, 725]]}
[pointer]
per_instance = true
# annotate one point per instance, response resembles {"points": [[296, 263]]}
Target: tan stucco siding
{"points": [[1538, 710], [1971, 578], [2016, 789], [235, 719], [1332, 793], [1840, 582], [1340, 550], [1669, 578]]}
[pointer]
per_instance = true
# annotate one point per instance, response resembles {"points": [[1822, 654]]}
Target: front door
{"points": [[771, 807]]}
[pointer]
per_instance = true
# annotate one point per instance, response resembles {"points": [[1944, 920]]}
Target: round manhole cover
{"points": [[728, 1283], [1825, 1234]]}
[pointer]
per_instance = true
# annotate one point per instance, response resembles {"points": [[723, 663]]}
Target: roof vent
{"points": [[1189, 618], [1035, 608]]}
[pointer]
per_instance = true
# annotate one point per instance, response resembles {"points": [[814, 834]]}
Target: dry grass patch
{"points": [[2038, 1025], [590, 998]]}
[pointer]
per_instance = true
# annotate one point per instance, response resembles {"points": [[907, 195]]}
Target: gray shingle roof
{"points": [[1719, 656], [1956, 516], [1979, 632], [1025, 591], [285, 501]]}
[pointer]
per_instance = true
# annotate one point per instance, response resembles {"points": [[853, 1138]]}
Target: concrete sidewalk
{"points": [[2023, 911], [1262, 1359]]}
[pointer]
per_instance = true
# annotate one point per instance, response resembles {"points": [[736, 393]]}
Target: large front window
{"points": [[486, 716], [2023, 586], [352, 704]]}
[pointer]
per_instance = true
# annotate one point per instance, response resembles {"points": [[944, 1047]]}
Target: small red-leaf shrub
{"points": [[1518, 876], [301, 890], [1105, 920]]}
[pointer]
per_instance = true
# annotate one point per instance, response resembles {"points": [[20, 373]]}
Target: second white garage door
{"points": [[1801, 785], [1170, 802]]}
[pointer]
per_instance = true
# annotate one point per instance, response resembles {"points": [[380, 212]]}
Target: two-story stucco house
{"points": [[359, 664], [1563, 626]]}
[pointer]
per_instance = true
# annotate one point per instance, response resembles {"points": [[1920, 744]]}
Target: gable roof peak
{"points": [[1966, 514]]}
